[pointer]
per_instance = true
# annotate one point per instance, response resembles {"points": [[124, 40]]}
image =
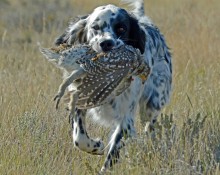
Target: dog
{"points": [[109, 27]]}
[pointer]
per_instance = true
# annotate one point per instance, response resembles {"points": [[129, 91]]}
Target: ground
{"points": [[35, 138]]}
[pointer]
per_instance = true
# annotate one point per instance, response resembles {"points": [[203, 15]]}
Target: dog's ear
{"points": [[137, 36], [75, 34]]}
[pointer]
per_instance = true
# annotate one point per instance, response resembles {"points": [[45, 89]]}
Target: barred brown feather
{"points": [[106, 72], [102, 74]]}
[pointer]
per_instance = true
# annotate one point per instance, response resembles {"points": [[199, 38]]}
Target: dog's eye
{"points": [[95, 27], [121, 29]]}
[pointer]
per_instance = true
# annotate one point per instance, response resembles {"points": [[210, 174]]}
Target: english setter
{"points": [[106, 28]]}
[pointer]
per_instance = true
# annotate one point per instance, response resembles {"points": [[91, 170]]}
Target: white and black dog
{"points": [[106, 28]]}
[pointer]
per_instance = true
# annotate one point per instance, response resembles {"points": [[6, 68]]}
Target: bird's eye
{"points": [[95, 27], [121, 29]]}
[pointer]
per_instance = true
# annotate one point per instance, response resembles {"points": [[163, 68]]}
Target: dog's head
{"points": [[106, 28]]}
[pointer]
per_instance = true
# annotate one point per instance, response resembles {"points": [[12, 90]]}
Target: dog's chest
{"points": [[118, 107]]}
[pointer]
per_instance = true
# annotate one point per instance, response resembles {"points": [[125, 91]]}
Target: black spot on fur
{"points": [[125, 133], [78, 111], [154, 121], [95, 32], [153, 104], [129, 127], [61, 39], [81, 126], [118, 137], [113, 157], [76, 143], [109, 157], [131, 107], [111, 101], [152, 61], [134, 34], [104, 24], [155, 94], [94, 150], [111, 20], [136, 37], [98, 144]]}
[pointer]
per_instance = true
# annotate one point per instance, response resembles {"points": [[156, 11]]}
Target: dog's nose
{"points": [[107, 45]]}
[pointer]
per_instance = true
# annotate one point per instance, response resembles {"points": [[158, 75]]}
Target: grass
{"points": [[35, 138]]}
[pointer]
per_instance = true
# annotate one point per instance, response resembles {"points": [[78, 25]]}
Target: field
{"points": [[36, 139]]}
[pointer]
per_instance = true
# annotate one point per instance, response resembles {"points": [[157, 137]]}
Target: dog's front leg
{"points": [[81, 139], [124, 129]]}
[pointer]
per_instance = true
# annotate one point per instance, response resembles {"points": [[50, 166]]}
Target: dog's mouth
{"points": [[98, 49]]}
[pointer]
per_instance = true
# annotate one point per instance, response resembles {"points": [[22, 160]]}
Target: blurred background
{"points": [[36, 139]]}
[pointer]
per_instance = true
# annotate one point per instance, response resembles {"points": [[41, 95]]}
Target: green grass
{"points": [[36, 139]]}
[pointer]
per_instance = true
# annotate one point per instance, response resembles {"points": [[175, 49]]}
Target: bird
{"points": [[100, 74]]}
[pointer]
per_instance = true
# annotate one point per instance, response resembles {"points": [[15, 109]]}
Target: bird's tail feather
{"points": [[50, 54]]}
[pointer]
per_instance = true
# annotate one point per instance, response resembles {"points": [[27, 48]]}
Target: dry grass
{"points": [[35, 138]]}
